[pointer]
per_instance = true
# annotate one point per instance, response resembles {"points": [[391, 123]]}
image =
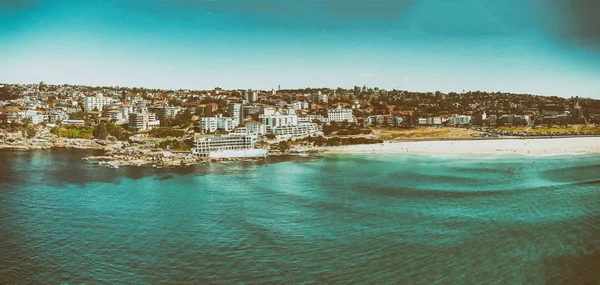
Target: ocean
{"points": [[336, 219]]}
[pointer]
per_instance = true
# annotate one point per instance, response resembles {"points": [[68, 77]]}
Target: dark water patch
{"points": [[166, 177], [573, 173], [573, 269]]}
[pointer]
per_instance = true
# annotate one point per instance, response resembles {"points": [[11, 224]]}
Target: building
{"points": [[251, 109], [35, 116], [490, 120], [311, 118], [341, 115], [430, 121], [227, 147], [253, 96], [459, 120], [142, 122], [212, 124], [96, 102], [552, 110], [256, 128], [250, 95], [380, 120], [320, 98], [164, 112], [513, 120], [294, 130], [236, 111], [269, 110], [278, 119], [115, 115], [55, 116], [79, 123]]}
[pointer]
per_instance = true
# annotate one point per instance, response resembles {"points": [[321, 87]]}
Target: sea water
{"points": [[346, 219]]}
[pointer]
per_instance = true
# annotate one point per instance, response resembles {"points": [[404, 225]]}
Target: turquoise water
{"points": [[347, 219]]}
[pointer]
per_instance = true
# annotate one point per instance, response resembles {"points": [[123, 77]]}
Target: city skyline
{"points": [[423, 46]]}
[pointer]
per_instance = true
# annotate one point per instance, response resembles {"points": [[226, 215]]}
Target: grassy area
{"points": [[589, 129], [546, 129], [84, 133], [423, 133]]}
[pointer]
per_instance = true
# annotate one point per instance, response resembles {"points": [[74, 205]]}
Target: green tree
{"points": [[31, 132], [184, 118], [3, 120], [100, 132], [78, 116], [284, 146]]}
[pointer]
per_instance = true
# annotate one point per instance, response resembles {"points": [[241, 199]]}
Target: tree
{"points": [[3, 120], [78, 116], [31, 132], [27, 121], [100, 132], [284, 146]]}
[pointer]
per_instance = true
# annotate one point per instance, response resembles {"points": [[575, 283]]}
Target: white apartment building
{"points": [[430, 121], [459, 120], [311, 118], [98, 101], [207, 147], [295, 130], [236, 111], [298, 105], [341, 115], [212, 124], [278, 120], [256, 128]]}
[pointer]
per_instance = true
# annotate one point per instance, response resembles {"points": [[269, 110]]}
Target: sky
{"points": [[545, 47]]}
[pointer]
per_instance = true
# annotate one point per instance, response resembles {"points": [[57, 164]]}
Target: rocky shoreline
{"points": [[116, 153]]}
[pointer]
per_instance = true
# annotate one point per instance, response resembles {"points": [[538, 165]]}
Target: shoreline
{"points": [[117, 154], [516, 146]]}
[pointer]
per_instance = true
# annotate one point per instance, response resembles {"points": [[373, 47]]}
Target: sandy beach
{"points": [[480, 147]]}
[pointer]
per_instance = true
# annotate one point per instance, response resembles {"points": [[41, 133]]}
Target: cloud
{"points": [[366, 75], [168, 69]]}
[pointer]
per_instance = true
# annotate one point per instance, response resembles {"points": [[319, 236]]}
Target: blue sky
{"points": [[527, 46]]}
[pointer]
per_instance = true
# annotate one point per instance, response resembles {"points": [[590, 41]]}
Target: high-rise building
{"points": [[142, 121], [236, 111]]}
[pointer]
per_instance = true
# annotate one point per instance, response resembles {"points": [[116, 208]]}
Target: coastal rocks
{"points": [[111, 164]]}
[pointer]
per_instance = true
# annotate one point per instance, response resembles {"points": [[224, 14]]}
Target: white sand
{"points": [[480, 147]]}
